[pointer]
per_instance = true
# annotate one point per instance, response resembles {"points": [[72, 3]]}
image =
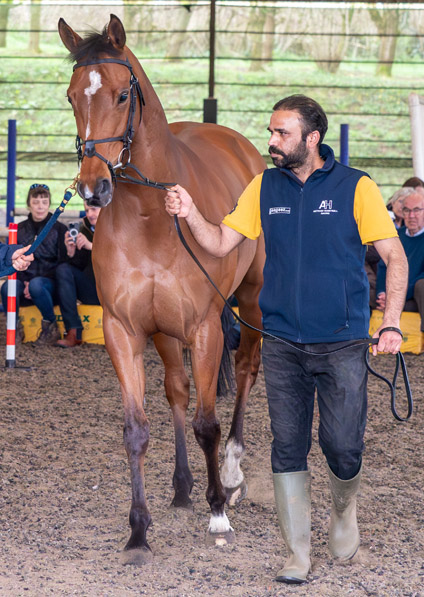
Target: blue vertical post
{"points": [[11, 171], [344, 144]]}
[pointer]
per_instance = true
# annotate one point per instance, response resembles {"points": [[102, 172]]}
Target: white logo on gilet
{"points": [[325, 208]]}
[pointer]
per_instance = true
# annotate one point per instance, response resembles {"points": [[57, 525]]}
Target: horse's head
{"points": [[103, 93]]}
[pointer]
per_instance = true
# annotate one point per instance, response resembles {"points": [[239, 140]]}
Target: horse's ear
{"points": [[116, 32], [70, 39]]}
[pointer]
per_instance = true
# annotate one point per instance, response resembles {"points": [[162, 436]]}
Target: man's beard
{"points": [[295, 159]]}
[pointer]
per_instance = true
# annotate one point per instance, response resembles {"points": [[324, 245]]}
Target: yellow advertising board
{"points": [[91, 318]]}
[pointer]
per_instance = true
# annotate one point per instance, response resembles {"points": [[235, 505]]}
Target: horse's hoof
{"points": [[220, 539], [234, 495], [136, 557], [182, 503]]}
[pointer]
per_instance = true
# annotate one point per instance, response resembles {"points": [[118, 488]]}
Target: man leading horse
{"points": [[317, 217]]}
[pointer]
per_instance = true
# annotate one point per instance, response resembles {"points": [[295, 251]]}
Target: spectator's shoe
{"points": [[49, 334], [19, 334], [71, 339]]}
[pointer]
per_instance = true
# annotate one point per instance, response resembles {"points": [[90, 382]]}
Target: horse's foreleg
{"points": [[126, 353], [247, 366], [177, 387], [206, 357]]}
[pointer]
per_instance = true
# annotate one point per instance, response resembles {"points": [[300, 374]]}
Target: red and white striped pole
{"points": [[11, 305]]}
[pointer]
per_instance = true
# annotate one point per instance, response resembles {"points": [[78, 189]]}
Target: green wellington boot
{"points": [[344, 533], [293, 500]]}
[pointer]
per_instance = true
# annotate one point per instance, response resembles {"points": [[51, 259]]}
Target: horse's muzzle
{"points": [[100, 196]]}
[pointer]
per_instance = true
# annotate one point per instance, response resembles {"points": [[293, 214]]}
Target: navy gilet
{"points": [[315, 286]]}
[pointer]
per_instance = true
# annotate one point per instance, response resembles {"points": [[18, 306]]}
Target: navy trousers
{"points": [[340, 382], [73, 285]]}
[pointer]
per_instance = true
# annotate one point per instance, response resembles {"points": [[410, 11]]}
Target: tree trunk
{"points": [[269, 36], [4, 14], [177, 39], [256, 23], [131, 22], [34, 36], [387, 22]]}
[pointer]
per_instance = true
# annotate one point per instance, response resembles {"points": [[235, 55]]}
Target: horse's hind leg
{"points": [[177, 388], [247, 365], [126, 353]]}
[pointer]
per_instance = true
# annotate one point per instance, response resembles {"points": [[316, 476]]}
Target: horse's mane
{"points": [[92, 45]]}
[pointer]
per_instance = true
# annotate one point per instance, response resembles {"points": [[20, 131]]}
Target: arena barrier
{"points": [[92, 321], [91, 318], [410, 324]]}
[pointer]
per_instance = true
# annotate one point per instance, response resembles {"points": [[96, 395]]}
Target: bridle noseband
{"points": [[127, 138]]}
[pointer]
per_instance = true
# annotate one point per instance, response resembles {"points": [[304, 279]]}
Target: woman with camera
{"points": [[75, 278], [36, 285]]}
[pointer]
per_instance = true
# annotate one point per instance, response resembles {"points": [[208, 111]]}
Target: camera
{"points": [[73, 231]]}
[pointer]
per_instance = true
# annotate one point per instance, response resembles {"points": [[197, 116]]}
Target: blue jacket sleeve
{"points": [[6, 252]]}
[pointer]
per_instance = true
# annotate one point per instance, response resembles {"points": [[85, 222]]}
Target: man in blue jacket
{"points": [[412, 238], [317, 217]]}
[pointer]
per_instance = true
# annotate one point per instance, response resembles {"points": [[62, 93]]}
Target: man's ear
{"points": [[312, 140]]}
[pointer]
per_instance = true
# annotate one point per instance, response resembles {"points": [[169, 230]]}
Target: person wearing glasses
{"points": [[36, 285], [395, 205], [412, 238]]}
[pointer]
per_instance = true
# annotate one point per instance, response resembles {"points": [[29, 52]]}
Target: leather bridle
{"points": [[87, 147]]}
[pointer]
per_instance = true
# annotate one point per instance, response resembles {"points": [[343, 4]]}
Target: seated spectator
{"points": [[412, 239], [36, 285], [75, 278], [395, 205], [413, 182]]}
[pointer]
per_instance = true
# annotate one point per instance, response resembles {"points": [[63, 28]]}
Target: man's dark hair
{"points": [[312, 116]]}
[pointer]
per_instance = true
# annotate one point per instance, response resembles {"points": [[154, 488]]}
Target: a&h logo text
{"points": [[325, 208]]}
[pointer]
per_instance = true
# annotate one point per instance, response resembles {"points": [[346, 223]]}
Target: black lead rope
{"points": [[392, 385], [369, 342]]}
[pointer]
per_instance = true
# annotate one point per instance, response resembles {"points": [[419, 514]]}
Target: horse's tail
{"points": [[226, 380]]}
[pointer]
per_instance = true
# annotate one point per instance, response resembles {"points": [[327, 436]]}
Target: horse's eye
{"points": [[69, 100], [123, 97]]}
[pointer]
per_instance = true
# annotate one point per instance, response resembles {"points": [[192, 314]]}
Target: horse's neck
{"points": [[153, 138], [152, 152]]}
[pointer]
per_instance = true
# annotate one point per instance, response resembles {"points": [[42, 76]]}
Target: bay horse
{"points": [[147, 283]]}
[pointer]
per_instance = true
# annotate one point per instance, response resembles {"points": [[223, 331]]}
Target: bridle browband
{"points": [[127, 138]]}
